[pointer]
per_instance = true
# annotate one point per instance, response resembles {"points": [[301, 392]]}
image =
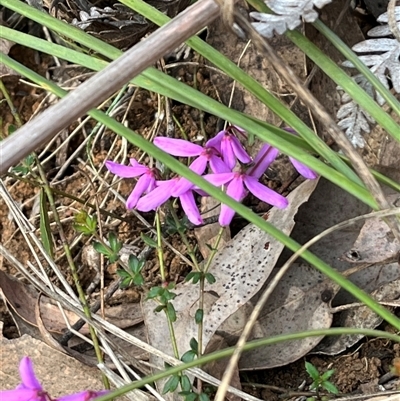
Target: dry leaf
{"points": [[240, 269]]}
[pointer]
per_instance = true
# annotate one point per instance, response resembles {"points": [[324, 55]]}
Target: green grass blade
{"points": [[44, 224]]}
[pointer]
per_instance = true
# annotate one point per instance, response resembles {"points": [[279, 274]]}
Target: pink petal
{"points": [[83, 396], [27, 374], [198, 166], [154, 199], [236, 191], [143, 184], [216, 141], [305, 171], [125, 171], [264, 193], [19, 395], [178, 147], [264, 158], [190, 208], [227, 152], [239, 151], [219, 179], [217, 165]]}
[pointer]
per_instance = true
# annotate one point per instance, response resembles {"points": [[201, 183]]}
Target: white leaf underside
{"points": [[382, 56], [288, 15]]}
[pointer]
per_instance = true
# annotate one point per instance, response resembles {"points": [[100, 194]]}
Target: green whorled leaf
{"points": [[101, 248], [194, 345], [115, 245], [185, 382], [327, 375], [45, 231], [154, 292], [198, 317], [159, 308], [171, 385], [138, 279], [330, 387], [188, 356], [210, 278], [148, 240], [133, 263], [204, 397], [171, 312], [312, 371]]}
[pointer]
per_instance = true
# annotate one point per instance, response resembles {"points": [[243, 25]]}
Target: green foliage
{"points": [[198, 317], [84, 223], [196, 276], [176, 227], [320, 381], [26, 164], [111, 252], [148, 241], [190, 355], [134, 273]]}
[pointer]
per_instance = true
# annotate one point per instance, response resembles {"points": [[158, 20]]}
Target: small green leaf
{"points": [[85, 224], [126, 282], [204, 397], [330, 387], [327, 375], [171, 384], [210, 278], [171, 312], [154, 292], [123, 274], [194, 345], [312, 371], [115, 245], [198, 317], [101, 248], [186, 385], [133, 263], [191, 397], [44, 224], [138, 279], [148, 241], [188, 356], [168, 295], [113, 257], [159, 308]]}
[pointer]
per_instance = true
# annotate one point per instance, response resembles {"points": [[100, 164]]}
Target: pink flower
{"points": [[206, 155], [145, 184], [163, 192], [229, 147], [31, 390], [239, 182], [302, 169]]}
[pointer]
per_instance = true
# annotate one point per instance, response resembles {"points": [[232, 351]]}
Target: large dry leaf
{"points": [[300, 302], [240, 269], [376, 242], [21, 300], [312, 219]]}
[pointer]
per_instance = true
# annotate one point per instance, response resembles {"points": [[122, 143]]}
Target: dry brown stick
{"points": [[91, 93]]}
